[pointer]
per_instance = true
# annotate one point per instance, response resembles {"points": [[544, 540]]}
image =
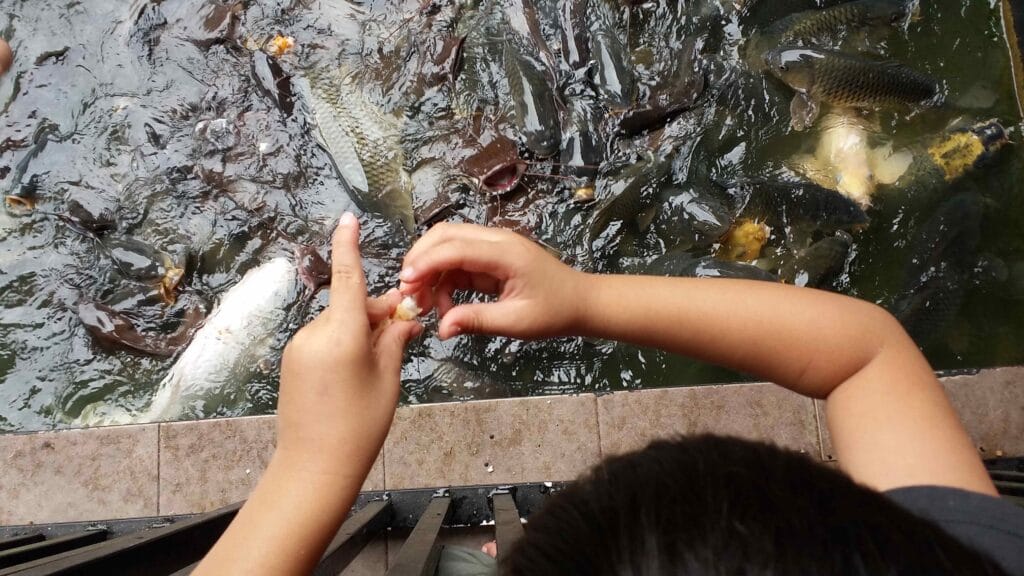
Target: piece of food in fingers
{"points": [[408, 309]]}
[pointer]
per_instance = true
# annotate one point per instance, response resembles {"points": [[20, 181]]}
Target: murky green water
{"points": [[117, 89]]}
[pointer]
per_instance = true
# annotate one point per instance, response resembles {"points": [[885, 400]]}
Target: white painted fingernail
{"points": [[348, 219]]}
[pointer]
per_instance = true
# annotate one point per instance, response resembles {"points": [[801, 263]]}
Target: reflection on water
{"points": [[163, 124]]}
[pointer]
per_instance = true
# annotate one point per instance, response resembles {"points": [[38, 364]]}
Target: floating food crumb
{"points": [[583, 194], [407, 310], [280, 45], [744, 242]]}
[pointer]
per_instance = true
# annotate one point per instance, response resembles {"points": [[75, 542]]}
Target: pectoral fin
{"points": [[889, 166], [803, 111]]}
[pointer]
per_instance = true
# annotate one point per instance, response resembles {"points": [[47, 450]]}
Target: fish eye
{"points": [[783, 67]]}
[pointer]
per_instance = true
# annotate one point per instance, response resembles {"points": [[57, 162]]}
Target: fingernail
{"points": [[348, 219], [417, 330], [407, 274]]}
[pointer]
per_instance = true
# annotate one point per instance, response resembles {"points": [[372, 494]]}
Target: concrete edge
{"points": [[205, 464]]}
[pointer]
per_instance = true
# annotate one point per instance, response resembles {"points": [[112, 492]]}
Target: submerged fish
{"points": [[677, 92], [237, 336], [818, 265], [141, 262], [363, 143], [613, 75], [582, 150], [941, 269], [845, 160], [787, 204], [497, 168], [533, 101], [829, 77], [682, 265], [110, 327], [693, 218], [958, 151], [829, 25], [628, 197]]}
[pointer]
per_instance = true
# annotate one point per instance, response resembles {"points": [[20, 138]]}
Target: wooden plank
{"points": [[420, 553], [1010, 488], [159, 550], [16, 541], [353, 536], [37, 550], [186, 570], [508, 527]]}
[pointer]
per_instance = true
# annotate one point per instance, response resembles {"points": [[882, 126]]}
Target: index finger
{"points": [[414, 270], [348, 284]]}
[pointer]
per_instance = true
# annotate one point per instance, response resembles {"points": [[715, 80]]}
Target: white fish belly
{"points": [[224, 354]]}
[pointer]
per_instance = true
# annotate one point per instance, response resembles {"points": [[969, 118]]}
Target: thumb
{"points": [[490, 318], [392, 342]]}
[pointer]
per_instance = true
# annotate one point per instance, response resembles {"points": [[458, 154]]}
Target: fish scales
{"points": [[364, 144], [816, 25], [848, 81], [224, 354]]}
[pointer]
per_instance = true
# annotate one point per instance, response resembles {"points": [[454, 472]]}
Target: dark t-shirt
{"points": [[993, 526]]}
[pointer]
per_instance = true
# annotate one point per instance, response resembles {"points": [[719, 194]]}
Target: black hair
{"points": [[710, 505]]}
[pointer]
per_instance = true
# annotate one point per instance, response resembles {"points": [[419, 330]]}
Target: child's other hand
{"points": [[340, 373], [538, 296]]}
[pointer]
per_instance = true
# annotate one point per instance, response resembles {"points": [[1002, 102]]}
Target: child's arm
{"points": [[890, 421], [339, 389]]}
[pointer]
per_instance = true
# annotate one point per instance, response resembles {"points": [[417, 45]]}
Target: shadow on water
{"points": [[163, 122]]}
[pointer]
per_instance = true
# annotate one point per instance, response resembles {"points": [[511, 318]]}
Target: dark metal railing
{"points": [[175, 545]]}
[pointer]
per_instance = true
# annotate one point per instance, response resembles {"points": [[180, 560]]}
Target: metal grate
{"points": [[175, 545]]}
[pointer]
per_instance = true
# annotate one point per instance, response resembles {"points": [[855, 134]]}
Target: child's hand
{"points": [[340, 374], [538, 296]]}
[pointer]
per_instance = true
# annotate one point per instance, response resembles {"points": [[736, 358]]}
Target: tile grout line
{"points": [[159, 470], [821, 435]]}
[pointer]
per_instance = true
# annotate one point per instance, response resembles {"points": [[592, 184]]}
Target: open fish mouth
{"points": [[504, 178], [19, 204]]}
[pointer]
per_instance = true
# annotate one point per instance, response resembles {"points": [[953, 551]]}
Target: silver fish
{"points": [[227, 350], [363, 143]]}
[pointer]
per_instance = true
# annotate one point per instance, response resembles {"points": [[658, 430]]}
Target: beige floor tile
{"points": [[990, 404], [630, 420], [211, 463], [492, 442], [74, 475], [207, 464]]}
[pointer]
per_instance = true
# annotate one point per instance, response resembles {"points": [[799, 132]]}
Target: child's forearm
{"points": [[285, 525], [806, 340], [890, 421]]}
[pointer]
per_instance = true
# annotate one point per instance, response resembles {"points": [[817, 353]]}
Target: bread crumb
{"points": [[407, 309]]}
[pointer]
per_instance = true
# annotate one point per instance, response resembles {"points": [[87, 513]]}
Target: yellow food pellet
{"points": [[583, 194], [957, 153], [744, 241], [280, 45]]}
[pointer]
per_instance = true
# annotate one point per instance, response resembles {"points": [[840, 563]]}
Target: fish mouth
{"points": [[504, 178], [19, 204]]}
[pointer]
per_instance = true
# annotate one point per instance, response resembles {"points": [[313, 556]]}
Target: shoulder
{"points": [[992, 525]]}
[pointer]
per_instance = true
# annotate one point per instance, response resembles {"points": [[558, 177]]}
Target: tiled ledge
{"points": [[185, 467]]}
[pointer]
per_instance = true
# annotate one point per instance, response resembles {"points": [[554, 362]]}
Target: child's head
{"points": [[708, 505]]}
